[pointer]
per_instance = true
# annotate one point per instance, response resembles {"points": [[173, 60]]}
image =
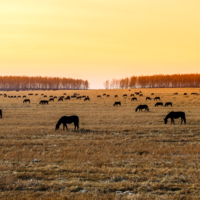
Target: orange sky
{"points": [[99, 39]]}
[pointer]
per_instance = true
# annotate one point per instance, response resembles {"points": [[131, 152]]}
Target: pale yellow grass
{"points": [[115, 149]]}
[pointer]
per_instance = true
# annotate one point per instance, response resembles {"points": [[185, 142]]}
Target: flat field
{"points": [[117, 153]]}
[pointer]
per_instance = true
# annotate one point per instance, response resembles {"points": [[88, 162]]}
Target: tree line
{"points": [[155, 81], [41, 83]]}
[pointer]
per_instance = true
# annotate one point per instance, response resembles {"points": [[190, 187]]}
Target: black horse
{"points": [[26, 100], [148, 98], [0, 113], [140, 107], [117, 103], [87, 99], [159, 104], [134, 99], [44, 102], [168, 104], [51, 99], [156, 98], [68, 120], [175, 115]]}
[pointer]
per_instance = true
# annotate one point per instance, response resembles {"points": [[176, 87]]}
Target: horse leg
{"points": [[66, 126]]}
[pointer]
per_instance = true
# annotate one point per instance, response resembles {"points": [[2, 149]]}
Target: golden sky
{"points": [[99, 39]]}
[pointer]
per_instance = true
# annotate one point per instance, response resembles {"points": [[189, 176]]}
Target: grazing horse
{"points": [[30, 94], [141, 95], [44, 102], [116, 96], [185, 94], [117, 103], [194, 93], [140, 107], [159, 104], [108, 95], [60, 99], [68, 97], [134, 98], [45, 96], [156, 98], [152, 93], [125, 95], [132, 95], [78, 97], [99, 96], [0, 113], [26, 100], [168, 104], [51, 99], [64, 94], [24, 96], [104, 94], [175, 115], [87, 99], [176, 93], [148, 98], [137, 93], [55, 97], [68, 120]]}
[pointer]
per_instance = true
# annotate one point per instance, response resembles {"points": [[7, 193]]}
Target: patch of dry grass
{"points": [[116, 154]]}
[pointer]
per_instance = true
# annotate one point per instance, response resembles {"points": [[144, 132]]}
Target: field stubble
{"points": [[115, 149]]}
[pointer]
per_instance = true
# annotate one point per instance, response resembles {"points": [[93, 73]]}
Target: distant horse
{"points": [[176, 93], [140, 107], [117, 103], [19, 97], [104, 94], [36, 94], [1, 113], [51, 99], [55, 97], [152, 93], [168, 104], [44, 102], [134, 99], [78, 97], [141, 95], [26, 100], [194, 93], [175, 115], [159, 104], [24, 96], [132, 95], [156, 98], [148, 98], [60, 99], [68, 120], [45, 96], [51, 96], [108, 95], [99, 96], [30, 94], [67, 98], [64, 94], [116, 96], [87, 99], [73, 96], [125, 95], [137, 93], [185, 94]]}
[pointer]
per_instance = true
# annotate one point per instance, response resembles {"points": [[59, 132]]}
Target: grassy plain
{"points": [[115, 149]]}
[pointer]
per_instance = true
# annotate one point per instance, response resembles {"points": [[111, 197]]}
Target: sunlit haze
{"points": [[99, 39]]}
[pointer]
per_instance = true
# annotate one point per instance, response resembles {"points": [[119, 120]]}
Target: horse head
{"points": [[165, 120]]}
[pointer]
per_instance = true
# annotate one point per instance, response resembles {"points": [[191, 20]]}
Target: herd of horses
{"points": [[75, 119]]}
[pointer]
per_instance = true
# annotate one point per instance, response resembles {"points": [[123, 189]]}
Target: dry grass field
{"points": [[116, 154]]}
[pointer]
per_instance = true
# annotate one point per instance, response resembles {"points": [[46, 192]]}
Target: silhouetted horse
{"points": [[185, 94], [26, 100], [60, 99], [141, 95], [176, 93], [116, 96], [44, 102], [125, 95], [64, 94], [156, 98], [175, 115], [19, 96], [51, 96], [140, 107], [99, 96], [104, 94], [159, 104], [117, 103], [51, 99], [148, 98], [78, 97], [36, 94], [55, 97], [67, 98], [193, 93], [1, 113], [45, 96], [132, 95], [152, 93], [24, 96], [134, 98], [108, 95], [168, 104], [30, 94], [87, 99], [137, 93], [68, 120]]}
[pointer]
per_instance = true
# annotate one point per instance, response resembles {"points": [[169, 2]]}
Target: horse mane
{"points": [[58, 123]]}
